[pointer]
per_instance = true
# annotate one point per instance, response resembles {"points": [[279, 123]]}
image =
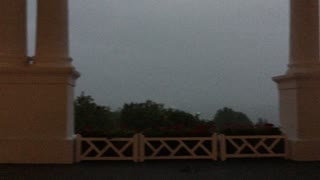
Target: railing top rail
{"points": [[177, 138], [254, 136], [104, 138]]}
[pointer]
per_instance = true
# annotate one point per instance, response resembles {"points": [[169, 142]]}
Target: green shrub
{"points": [[109, 134], [180, 131], [252, 131]]}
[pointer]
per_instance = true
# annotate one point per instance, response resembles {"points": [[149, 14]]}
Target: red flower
{"points": [[177, 127], [87, 128], [164, 128], [268, 125], [124, 126]]}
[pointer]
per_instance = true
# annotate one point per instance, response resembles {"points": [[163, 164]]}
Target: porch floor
{"points": [[237, 169]]}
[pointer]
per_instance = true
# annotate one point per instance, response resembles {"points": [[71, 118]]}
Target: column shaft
{"points": [[12, 30], [52, 29], [304, 36], [299, 88]]}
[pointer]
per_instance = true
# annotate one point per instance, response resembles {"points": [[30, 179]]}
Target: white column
{"points": [[304, 36], [52, 44], [36, 107], [299, 88], [12, 32]]}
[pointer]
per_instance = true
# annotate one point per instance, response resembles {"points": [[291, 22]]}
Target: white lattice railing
{"points": [[107, 149], [140, 148], [252, 146], [178, 148]]}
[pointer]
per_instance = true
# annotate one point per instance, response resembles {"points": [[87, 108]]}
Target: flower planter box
{"points": [[252, 146], [153, 148], [107, 149]]}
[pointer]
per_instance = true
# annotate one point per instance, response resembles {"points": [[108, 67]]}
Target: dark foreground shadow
{"points": [[236, 169]]}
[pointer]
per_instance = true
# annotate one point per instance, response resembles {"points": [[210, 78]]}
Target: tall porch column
{"points": [[299, 88], [13, 43], [36, 99]]}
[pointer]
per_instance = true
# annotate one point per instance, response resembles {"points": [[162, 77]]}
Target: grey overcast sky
{"points": [[194, 55]]}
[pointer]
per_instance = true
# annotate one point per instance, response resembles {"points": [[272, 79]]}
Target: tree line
{"points": [[92, 117]]}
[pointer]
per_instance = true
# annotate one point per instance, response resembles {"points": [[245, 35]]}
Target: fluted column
{"points": [[52, 44], [13, 48], [304, 36]]}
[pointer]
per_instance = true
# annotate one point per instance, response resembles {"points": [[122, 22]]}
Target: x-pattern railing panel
{"points": [[139, 148], [95, 151], [173, 151], [252, 149], [182, 144]]}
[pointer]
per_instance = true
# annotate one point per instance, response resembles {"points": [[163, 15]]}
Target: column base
{"points": [[37, 151], [299, 100], [304, 150], [36, 115]]}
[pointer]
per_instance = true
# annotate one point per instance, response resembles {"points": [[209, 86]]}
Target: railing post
{"points": [[141, 147], [286, 146], [222, 139], [135, 147], [78, 148], [214, 147]]}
